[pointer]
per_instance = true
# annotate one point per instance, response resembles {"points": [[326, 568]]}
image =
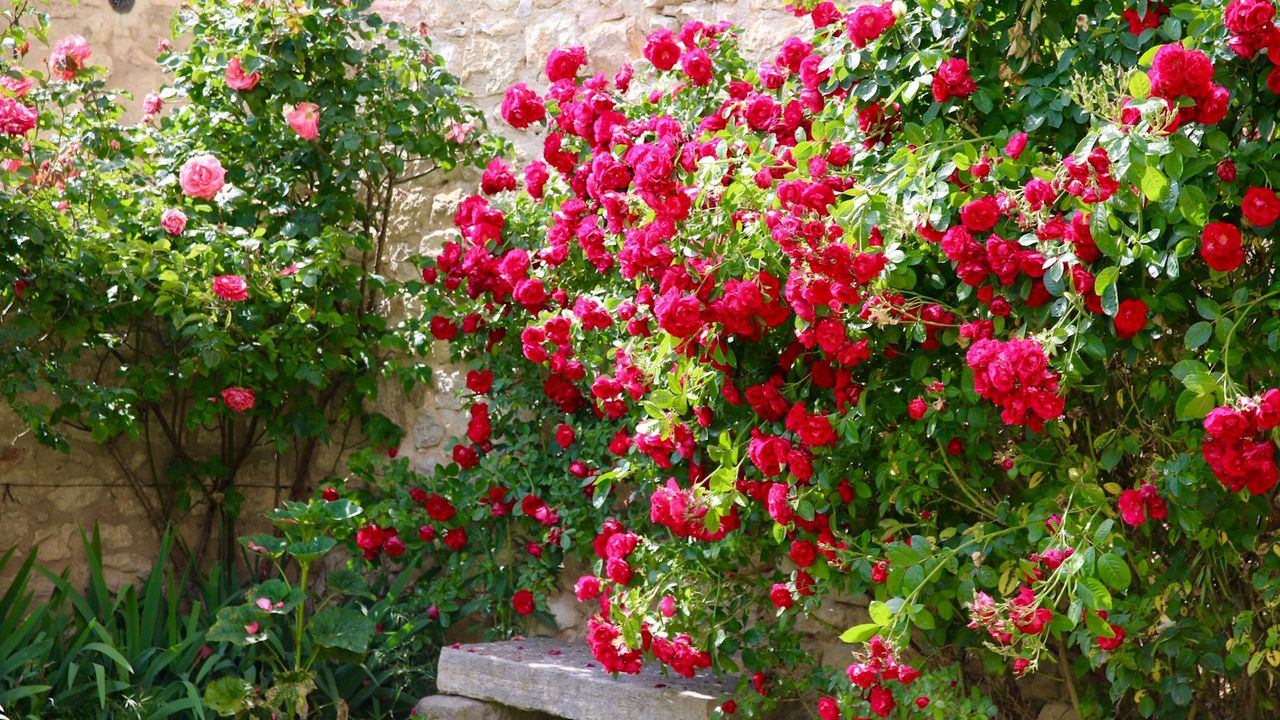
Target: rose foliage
{"points": [[969, 307]]}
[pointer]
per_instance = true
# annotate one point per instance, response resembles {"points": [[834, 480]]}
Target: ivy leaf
{"points": [[1114, 571]]}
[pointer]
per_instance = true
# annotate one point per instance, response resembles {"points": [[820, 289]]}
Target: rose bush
{"points": [[966, 307], [213, 276]]}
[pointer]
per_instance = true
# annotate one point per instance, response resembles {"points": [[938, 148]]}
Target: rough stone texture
{"points": [[564, 680], [1058, 711], [451, 707]]}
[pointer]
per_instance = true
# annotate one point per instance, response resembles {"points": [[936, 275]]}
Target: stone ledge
{"points": [[563, 680], [450, 707]]}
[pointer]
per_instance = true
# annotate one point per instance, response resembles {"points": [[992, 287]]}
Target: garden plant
{"points": [[967, 309]]}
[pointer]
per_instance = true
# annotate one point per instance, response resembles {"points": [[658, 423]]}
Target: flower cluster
{"points": [[1237, 446], [1015, 375]]}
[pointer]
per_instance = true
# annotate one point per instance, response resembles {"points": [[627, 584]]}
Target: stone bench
{"points": [[522, 679]]}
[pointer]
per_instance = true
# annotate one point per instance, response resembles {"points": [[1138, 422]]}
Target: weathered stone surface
{"points": [[452, 707], [564, 680], [1058, 711]]}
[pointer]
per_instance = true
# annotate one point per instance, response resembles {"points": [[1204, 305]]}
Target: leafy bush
{"points": [[214, 277], [966, 306]]}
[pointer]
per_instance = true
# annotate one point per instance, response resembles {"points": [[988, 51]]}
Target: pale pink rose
{"points": [[173, 221], [305, 120], [237, 79], [17, 86], [152, 104], [202, 177], [69, 56], [231, 288]]}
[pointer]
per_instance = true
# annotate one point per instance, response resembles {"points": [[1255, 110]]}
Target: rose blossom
{"points": [[173, 221], [305, 120], [231, 288], [69, 56], [202, 177], [16, 118], [238, 399], [522, 602], [661, 49], [564, 63], [237, 79], [521, 107], [1130, 318], [1260, 207], [17, 86], [1220, 246]]}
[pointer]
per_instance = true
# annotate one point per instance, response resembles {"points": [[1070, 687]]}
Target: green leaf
{"points": [[1193, 205], [1139, 86], [1154, 184], [880, 613], [1114, 571], [1105, 279], [1191, 406], [229, 696], [1098, 626], [859, 633], [341, 628], [1094, 594], [902, 555], [231, 623], [1198, 334], [311, 549]]}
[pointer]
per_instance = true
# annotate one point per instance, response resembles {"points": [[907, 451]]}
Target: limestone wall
{"points": [[46, 496]]}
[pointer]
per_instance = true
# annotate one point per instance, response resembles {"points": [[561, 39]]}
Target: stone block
{"points": [[1058, 711], [451, 707], [546, 675]]}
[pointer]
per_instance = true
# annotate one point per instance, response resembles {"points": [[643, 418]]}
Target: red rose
{"points": [[1130, 318], [1112, 643], [1226, 171], [761, 112], [238, 399], [1132, 509], [881, 701], [980, 215], [917, 408], [869, 22], [394, 546], [564, 63], [1260, 207], [696, 63], [780, 596], [455, 538], [953, 80], [661, 49], [231, 288], [521, 107], [465, 456], [678, 314], [1220, 246], [522, 601], [1177, 72], [803, 553]]}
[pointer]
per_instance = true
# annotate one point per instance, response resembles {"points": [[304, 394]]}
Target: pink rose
{"points": [[202, 177], [237, 79], [521, 107], [16, 118], [152, 104], [305, 120], [231, 288], [564, 63], [173, 221], [238, 399], [17, 86], [69, 56], [661, 49]]}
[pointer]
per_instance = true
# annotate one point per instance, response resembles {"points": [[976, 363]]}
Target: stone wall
{"points": [[45, 496]]}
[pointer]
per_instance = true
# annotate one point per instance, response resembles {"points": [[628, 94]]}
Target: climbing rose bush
{"points": [[965, 308]]}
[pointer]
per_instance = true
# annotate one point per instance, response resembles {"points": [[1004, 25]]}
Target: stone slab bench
{"points": [[543, 675]]}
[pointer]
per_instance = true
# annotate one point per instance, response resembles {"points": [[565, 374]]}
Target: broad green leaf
{"points": [[341, 628], [1114, 571], [859, 633]]}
